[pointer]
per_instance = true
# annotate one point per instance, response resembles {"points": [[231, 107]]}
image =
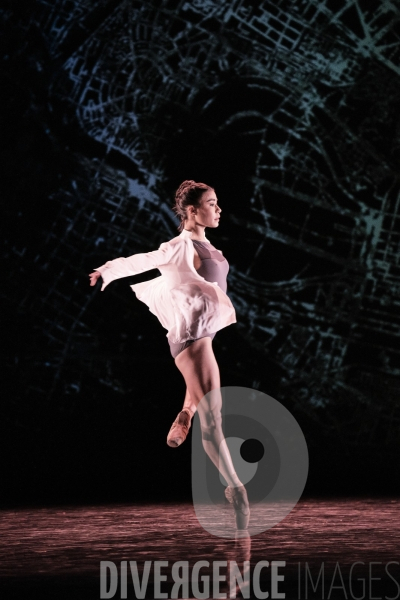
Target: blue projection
{"points": [[290, 109]]}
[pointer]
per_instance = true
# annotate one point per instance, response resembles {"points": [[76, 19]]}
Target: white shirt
{"points": [[185, 303]]}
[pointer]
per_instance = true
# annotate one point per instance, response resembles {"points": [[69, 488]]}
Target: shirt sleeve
{"points": [[137, 263]]}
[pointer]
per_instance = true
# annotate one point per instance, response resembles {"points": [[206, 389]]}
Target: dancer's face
{"points": [[209, 212]]}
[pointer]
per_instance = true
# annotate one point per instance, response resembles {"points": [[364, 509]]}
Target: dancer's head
{"points": [[196, 203]]}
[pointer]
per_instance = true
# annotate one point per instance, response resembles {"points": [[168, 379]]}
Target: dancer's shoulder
{"points": [[176, 242]]}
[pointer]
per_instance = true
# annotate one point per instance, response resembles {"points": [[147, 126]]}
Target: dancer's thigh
{"points": [[199, 368]]}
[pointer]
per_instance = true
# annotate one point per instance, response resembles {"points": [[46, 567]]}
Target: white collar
{"points": [[188, 234]]}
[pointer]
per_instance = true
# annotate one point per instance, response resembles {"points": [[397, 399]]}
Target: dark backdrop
{"points": [[290, 110]]}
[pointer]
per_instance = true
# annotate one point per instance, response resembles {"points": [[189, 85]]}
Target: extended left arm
{"points": [[132, 265]]}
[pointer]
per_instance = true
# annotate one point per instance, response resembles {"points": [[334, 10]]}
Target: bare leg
{"points": [[189, 404], [200, 370]]}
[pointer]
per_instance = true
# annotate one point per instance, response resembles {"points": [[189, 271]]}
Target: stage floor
{"points": [[56, 552]]}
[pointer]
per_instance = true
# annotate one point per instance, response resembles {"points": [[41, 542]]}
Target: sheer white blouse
{"points": [[185, 303]]}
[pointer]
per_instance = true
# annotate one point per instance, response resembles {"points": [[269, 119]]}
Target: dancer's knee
{"points": [[211, 426]]}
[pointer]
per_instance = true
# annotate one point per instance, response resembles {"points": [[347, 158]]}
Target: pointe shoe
{"points": [[237, 496], [179, 430]]}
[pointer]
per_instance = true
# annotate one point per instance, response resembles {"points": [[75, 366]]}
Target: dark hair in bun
{"points": [[188, 194]]}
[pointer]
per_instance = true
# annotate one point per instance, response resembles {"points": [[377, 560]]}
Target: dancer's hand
{"points": [[94, 277]]}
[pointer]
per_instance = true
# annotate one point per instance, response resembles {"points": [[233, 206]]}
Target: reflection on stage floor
{"points": [[57, 551]]}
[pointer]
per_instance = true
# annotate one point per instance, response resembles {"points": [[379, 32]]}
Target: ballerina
{"points": [[190, 301]]}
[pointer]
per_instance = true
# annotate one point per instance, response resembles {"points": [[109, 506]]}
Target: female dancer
{"points": [[190, 301]]}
